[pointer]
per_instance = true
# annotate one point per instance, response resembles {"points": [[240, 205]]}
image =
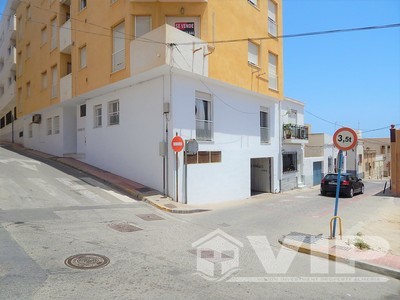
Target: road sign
{"points": [[192, 147], [177, 143], [345, 139]]}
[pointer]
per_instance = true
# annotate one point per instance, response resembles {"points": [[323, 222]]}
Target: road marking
{"points": [[59, 196], [81, 190], [25, 163], [108, 190]]}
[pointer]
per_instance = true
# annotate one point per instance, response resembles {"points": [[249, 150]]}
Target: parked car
{"points": [[349, 184]]}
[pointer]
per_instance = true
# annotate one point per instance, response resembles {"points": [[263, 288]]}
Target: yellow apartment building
{"points": [[110, 82], [68, 47]]}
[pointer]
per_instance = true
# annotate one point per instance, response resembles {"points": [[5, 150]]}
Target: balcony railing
{"points": [[264, 134], [291, 131]]}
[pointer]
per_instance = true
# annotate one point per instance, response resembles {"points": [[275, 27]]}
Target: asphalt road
{"points": [[49, 212]]}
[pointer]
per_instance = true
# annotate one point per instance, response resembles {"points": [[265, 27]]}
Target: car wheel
{"points": [[323, 193], [351, 193], [362, 190]]}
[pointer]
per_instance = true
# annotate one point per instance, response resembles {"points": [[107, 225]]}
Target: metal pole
{"points": [[185, 165], [337, 191], [176, 176]]}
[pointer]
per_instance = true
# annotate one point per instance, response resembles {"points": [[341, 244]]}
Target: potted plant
{"points": [[287, 130]]}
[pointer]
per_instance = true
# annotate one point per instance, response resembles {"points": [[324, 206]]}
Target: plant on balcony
{"points": [[287, 130]]}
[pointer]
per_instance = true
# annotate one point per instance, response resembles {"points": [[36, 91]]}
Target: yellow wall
{"points": [[234, 19]]}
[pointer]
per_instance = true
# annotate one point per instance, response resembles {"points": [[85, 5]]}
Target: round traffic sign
{"points": [[345, 138], [177, 143]]}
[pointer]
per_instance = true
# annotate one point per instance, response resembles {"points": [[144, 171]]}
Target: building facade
{"points": [[321, 158], [111, 82], [10, 129], [294, 138]]}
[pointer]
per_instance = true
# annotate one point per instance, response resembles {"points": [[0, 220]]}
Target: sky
{"points": [[344, 79], [347, 79]]}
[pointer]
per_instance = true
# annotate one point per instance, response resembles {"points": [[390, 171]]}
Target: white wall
{"points": [[130, 149], [236, 134]]}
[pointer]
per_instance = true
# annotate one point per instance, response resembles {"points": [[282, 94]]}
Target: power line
{"points": [[300, 34]]}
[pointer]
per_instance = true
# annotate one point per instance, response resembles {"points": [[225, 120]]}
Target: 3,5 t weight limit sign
{"points": [[345, 138]]}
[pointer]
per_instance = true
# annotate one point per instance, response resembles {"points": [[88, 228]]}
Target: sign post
{"points": [[344, 139], [177, 144]]}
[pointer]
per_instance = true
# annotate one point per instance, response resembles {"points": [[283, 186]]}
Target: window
{"points": [[28, 12], [82, 4], [44, 80], [203, 113], [253, 2], [292, 116], [30, 130], [19, 63], [272, 30], [264, 125], [142, 25], [19, 28], [28, 50], [113, 112], [118, 56], [82, 110], [44, 35], [54, 83], [272, 71], [2, 122], [253, 54], [28, 89], [97, 116], [56, 124], [53, 34], [289, 162], [82, 57], [383, 148], [49, 126]]}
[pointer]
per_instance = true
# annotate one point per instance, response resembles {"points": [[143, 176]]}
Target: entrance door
{"points": [[317, 172], [260, 175]]}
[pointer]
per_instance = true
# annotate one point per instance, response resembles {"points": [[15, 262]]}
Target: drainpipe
{"points": [[280, 148]]}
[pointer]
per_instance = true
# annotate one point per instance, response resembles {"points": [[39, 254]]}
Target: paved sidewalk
{"points": [[132, 188], [343, 250]]}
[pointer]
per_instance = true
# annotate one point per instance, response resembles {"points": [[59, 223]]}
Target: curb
{"points": [[390, 272], [173, 210]]}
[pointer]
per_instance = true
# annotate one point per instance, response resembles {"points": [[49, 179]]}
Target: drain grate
{"points": [[149, 217], [341, 248], [124, 227], [87, 261]]}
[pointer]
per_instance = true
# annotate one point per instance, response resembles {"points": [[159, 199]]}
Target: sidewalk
{"points": [[132, 188], [343, 250]]}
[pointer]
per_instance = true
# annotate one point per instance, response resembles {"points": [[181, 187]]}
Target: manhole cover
{"points": [[149, 217], [87, 261], [124, 227]]}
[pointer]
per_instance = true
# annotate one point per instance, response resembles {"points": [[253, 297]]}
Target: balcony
{"points": [[65, 38], [7, 99], [191, 55], [66, 87], [12, 57], [12, 27], [295, 134]]}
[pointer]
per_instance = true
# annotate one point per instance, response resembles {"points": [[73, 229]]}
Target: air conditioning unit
{"points": [[37, 118]]}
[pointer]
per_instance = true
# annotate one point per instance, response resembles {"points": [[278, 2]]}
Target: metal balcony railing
{"points": [[291, 131]]}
